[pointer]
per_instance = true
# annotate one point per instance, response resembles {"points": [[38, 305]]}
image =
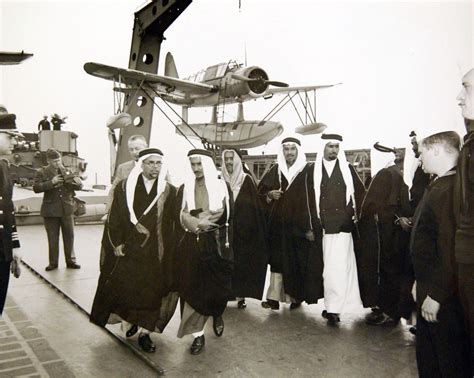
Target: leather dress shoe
{"points": [[295, 305], [218, 325], [73, 266], [132, 330], [145, 343], [375, 314], [241, 304], [270, 303], [331, 318], [197, 345], [383, 320], [51, 267]]}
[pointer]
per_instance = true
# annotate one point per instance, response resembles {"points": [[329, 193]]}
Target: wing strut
{"points": [[203, 140]]}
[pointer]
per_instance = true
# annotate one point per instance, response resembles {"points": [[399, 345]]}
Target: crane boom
{"points": [[149, 25]]}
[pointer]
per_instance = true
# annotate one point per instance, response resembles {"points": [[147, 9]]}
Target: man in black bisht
{"points": [[205, 254], [250, 247], [293, 230], [379, 261], [417, 181], [141, 230], [441, 338], [464, 209]]}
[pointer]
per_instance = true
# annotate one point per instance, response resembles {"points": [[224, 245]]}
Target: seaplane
{"points": [[216, 86], [11, 58]]}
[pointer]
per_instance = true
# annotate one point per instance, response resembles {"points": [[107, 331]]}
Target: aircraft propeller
{"points": [[259, 79]]}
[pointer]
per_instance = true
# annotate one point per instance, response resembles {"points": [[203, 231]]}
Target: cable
{"points": [[203, 140], [169, 119]]}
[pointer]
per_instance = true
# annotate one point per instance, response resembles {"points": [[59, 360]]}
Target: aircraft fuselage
{"points": [[228, 88]]}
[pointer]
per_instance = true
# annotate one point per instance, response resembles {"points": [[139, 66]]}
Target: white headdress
{"points": [[298, 165], [381, 157], [236, 179], [410, 164], [133, 179], [216, 187]]}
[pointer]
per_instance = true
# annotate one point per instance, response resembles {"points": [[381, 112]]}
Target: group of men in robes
{"points": [[162, 243], [322, 233], [312, 213]]}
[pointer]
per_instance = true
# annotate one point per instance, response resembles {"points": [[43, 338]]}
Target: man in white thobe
{"points": [[334, 183]]}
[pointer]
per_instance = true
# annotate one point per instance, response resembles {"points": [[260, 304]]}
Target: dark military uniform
{"points": [[8, 234], [441, 347], [464, 214], [57, 210]]}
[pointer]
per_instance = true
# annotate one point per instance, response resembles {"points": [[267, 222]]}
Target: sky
{"points": [[400, 63]]}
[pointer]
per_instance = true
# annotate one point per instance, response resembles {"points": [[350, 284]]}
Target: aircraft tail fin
{"points": [[170, 66]]}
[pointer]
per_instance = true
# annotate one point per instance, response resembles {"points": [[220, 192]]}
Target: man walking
{"points": [[338, 189], [205, 251], [379, 261], [250, 246], [142, 234], [293, 230]]}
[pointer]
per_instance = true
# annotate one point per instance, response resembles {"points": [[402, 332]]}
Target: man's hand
{"points": [[275, 194], [76, 180], [118, 251], [429, 310], [142, 229], [206, 225], [310, 236], [15, 267], [57, 180], [15, 264], [405, 223]]}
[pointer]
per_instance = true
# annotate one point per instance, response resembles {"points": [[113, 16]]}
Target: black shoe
{"points": [[270, 303], [132, 331], [331, 318], [218, 325], [197, 345], [241, 304], [374, 315], [73, 266], [383, 320], [51, 267], [295, 305], [412, 330], [145, 343]]}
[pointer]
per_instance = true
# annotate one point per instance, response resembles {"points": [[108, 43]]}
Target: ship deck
{"points": [[53, 336]]}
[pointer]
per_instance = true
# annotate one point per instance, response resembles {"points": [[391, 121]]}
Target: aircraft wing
{"points": [[161, 84], [283, 90], [8, 58]]}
